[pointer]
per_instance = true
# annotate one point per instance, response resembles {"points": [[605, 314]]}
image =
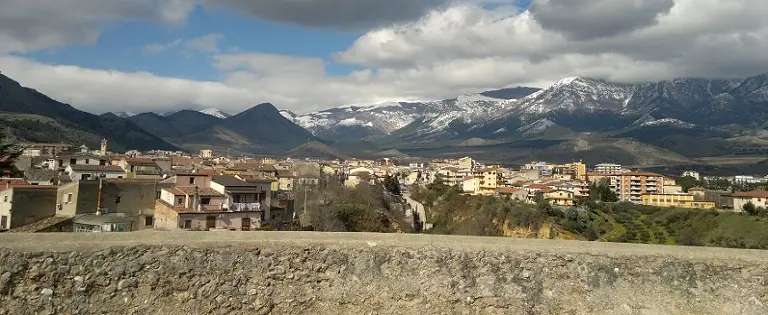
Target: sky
{"points": [[307, 55]]}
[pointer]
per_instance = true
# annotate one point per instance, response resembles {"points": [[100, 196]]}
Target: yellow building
{"points": [[559, 197], [488, 180], [676, 200], [578, 170]]}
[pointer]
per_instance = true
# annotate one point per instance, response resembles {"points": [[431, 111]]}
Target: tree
{"points": [[601, 192], [749, 208], [9, 152], [392, 185], [687, 182]]}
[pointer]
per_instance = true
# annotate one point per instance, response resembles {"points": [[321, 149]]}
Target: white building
{"points": [[609, 168], [78, 172], [693, 174]]}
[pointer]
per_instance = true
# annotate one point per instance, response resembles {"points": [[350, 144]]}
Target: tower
{"points": [[103, 147]]}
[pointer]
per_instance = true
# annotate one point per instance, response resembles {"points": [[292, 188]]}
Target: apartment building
{"points": [[609, 168], [453, 176], [631, 186]]}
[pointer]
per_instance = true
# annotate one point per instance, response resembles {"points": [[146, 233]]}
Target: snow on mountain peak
{"points": [[566, 81], [288, 114], [215, 112], [125, 114]]}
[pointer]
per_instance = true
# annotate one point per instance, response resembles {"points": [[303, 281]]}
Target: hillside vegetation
{"points": [[454, 213]]}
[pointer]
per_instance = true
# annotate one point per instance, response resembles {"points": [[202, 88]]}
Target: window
{"points": [[188, 224], [180, 200], [5, 198], [157, 195], [205, 201], [85, 176], [87, 161], [118, 199], [4, 222], [191, 180], [149, 220], [69, 198], [72, 161]]}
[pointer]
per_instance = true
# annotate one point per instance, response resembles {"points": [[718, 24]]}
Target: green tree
{"points": [[749, 208], [9, 152], [601, 192], [392, 185], [687, 182]]}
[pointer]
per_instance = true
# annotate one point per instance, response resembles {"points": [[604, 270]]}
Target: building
{"points": [[244, 195], [488, 179], [360, 175], [542, 168], [466, 163], [576, 169], [608, 168], [676, 200], [25, 204], [103, 148], [285, 180], [206, 153], [140, 168], [759, 198], [98, 222], [693, 174], [453, 176], [194, 203], [41, 176], [470, 185], [630, 186], [518, 194], [559, 197], [78, 172], [132, 199]]}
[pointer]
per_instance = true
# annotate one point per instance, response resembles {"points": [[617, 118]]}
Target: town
{"points": [[76, 189]]}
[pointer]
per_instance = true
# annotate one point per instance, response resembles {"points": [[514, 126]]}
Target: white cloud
{"points": [[160, 48], [467, 47], [31, 25], [206, 44]]}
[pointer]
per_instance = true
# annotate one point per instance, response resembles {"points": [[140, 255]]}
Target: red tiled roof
{"points": [[32, 187], [134, 180], [507, 190], [537, 186], [752, 194], [12, 181]]}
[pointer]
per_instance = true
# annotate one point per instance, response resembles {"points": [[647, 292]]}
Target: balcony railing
{"points": [[238, 207]]}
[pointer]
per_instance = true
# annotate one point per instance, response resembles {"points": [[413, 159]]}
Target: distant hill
{"points": [[260, 130], [190, 121], [32, 116], [155, 124], [315, 149]]}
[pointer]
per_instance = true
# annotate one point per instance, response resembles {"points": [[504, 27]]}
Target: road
{"points": [[419, 209]]}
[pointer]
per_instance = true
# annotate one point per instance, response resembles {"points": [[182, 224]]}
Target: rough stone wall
{"points": [[340, 273]]}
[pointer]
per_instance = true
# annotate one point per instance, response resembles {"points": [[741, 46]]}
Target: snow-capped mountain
{"points": [[124, 114], [215, 112], [427, 119]]}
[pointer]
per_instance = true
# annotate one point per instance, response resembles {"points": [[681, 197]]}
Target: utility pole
{"points": [[98, 197]]}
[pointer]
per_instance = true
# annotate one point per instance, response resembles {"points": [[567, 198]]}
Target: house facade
{"points": [[678, 200], [759, 198], [192, 204], [25, 204]]}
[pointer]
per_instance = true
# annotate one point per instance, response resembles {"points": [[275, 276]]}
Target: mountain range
{"points": [[658, 123]]}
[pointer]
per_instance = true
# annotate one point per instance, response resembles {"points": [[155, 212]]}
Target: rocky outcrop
{"points": [[343, 273]]}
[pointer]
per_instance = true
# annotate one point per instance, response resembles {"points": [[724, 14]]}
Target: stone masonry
{"points": [[345, 273]]}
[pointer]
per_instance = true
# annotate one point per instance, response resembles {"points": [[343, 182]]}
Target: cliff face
{"points": [[342, 273]]}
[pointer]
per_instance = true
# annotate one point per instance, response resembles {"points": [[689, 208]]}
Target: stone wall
{"points": [[342, 273]]}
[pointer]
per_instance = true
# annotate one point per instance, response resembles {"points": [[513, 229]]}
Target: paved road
{"points": [[419, 209], [95, 241]]}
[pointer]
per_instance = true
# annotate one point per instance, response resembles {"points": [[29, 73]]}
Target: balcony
{"points": [[240, 207]]}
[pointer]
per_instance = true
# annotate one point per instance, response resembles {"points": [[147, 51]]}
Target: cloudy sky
{"points": [[305, 55]]}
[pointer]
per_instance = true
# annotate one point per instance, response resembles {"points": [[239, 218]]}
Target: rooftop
{"points": [[752, 194], [231, 181], [40, 174], [97, 168]]}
